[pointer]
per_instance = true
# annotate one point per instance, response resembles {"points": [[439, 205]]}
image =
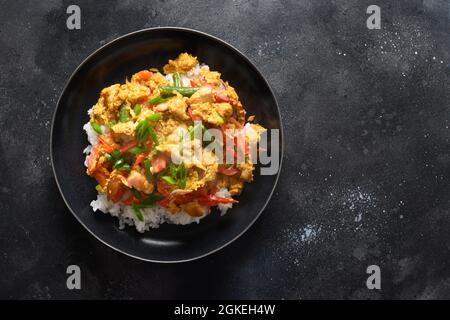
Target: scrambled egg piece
{"points": [[183, 63]]}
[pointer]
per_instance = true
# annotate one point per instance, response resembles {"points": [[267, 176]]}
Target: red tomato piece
{"points": [[228, 171], [159, 163], [143, 75]]}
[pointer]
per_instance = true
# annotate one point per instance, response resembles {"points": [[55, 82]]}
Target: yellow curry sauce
{"points": [[136, 124]]}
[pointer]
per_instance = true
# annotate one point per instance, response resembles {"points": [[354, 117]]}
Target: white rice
{"points": [[223, 207], [153, 217]]}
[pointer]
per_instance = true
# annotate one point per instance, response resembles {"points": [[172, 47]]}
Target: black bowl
{"points": [[112, 64]]}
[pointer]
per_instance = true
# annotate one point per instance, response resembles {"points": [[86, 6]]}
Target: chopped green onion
{"points": [[98, 188], [136, 150], [181, 172], [173, 170], [108, 157], [123, 114], [184, 91], [182, 183], [141, 130], [147, 202], [118, 164], [136, 193], [150, 200], [177, 80], [124, 167], [116, 154], [169, 179], [154, 117], [96, 127], [156, 100], [153, 135], [121, 165], [144, 129], [137, 109], [138, 213], [148, 172]]}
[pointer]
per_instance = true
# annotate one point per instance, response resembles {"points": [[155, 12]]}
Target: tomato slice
{"points": [[143, 75], [162, 188], [192, 116], [164, 202], [148, 144], [203, 82], [128, 146], [93, 160], [101, 174], [212, 200], [159, 163], [220, 97], [129, 199], [138, 160], [143, 99], [228, 171], [222, 200], [106, 142], [194, 84]]}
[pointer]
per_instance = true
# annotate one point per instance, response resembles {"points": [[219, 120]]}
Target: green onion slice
{"points": [[169, 180], [97, 128]]}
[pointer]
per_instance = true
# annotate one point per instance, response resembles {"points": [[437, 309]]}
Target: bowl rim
{"points": [[188, 30]]}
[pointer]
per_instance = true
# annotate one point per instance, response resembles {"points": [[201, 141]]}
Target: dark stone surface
{"points": [[366, 169]]}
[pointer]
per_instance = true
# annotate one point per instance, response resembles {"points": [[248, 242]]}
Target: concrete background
{"points": [[366, 169]]}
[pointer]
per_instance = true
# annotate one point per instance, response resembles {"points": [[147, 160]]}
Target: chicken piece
{"points": [[123, 131], [230, 92], [170, 144], [105, 109], [112, 97], [224, 109], [101, 175], [222, 181], [246, 171], [172, 207], [211, 77], [235, 186], [204, 94], [156, 80], [133, 92], [183, 63], [115, 187], [145, 112], [202, 172], [177, 107], [253, 132], [159, 80], [193, 208], [139, 181], [212, 113]]}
